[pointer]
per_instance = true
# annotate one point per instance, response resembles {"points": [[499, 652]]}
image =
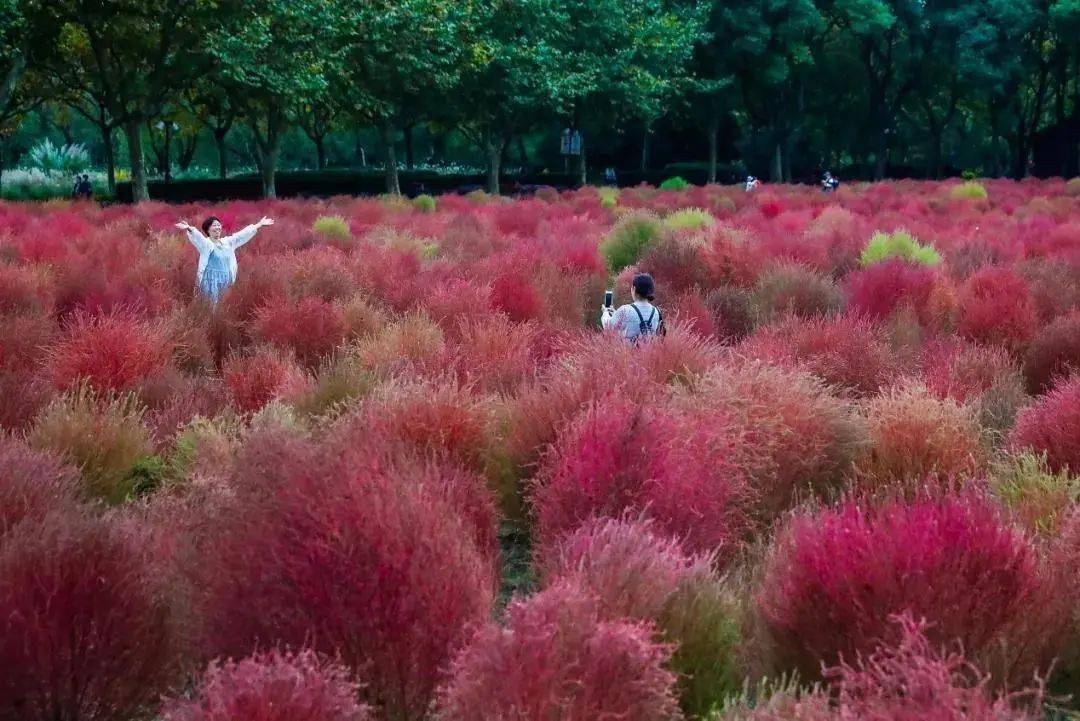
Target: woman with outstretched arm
{"points": [[217, 254]]}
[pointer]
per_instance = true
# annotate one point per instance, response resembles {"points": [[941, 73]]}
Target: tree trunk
{"points": [[139, 189], [645, 149], [166, 155], [110, 156], [358, 150], [584, 178], [494, 162], [320, 152], [776, 168], [523, 156], [187, 152], [222, 151], [407, 131], [3, 145], [935, 153], [393, 185], [268, 158], [714, 146]]}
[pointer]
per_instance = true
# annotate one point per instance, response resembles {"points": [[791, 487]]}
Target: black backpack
{"points": [[645, 326]]}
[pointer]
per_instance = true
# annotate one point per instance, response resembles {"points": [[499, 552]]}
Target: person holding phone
{"points": [[636, 320], [217, 255]]}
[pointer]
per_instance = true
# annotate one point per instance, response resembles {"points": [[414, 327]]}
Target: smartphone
{"points": [[609, 298]]}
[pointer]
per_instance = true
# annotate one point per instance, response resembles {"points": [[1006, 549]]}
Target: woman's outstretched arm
{"points": [[195, 236], [245, 234]]}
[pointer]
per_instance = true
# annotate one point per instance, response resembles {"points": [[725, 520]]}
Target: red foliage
{"points": [[557, 658], [255, 380], [1052, 425], [1054, 352], [369, 565], [32, 483], [833, 579], [964, 371], [846, 351], [272, 686], [995, 307], [112, 352], [84, 630], [878, 290], [310, 328]]}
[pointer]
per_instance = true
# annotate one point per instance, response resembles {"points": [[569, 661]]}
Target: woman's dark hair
{"points": [[644, 286], [208, 222]]}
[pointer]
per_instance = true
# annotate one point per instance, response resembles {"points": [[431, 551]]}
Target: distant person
{"points": [[639, 319], [829, 182], [83, 190], [217, 255], [609, 177], [751, 183]]}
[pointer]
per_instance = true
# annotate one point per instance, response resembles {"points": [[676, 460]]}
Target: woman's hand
{"points": [[183, 225], [265, 221]]}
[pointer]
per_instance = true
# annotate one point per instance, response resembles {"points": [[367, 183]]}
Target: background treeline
{"points": [[709, 88]]}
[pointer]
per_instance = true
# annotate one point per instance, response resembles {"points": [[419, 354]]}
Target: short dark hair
{"points": [[208, 222], [644, 286]]}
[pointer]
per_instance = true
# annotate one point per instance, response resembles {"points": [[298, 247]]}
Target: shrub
{"points": [[732, 312], [847, 351], [1054, 352], [689, 219], [795, 290], [310, 328], [84, 629], [970, 190], [424, 203], [899, 244], [256, 379], [413, 343], [338, 381], [880, 289], [557, 658], [272, 686], [911, 679], [1052, 426], [995, 308], [636, 574], [674, 183], [1072, 188], [915, 437], [104, 437], [111, 352], [332, 226], [965, 371], [629, 239], [497, 355], [381, 573], [32, 483], [782, 430], [832, 580], [1037, 496]]}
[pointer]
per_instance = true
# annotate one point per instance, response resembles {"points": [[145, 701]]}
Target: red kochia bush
{"points": [[832, 580], [375, 568], [32, 483], [310, 327], [84, 632], [995, 307], [557, 659], [272, 686], [846, 351], [1054, 352], [113, 351], [255, 380], [881, 288], [1052, 426]]}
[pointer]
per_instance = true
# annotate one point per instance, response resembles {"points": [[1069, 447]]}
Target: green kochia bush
{"points": [[674, 183], [629, 239], [900, 244], [970, 190], [332, 226], [689, 219], [424, 203]]}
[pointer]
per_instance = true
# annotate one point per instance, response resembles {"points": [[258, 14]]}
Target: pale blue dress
{"points": [[217, 261]]}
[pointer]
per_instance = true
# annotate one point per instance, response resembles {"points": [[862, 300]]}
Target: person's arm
{"points": [[244, 235], [612, 319], [195, 237]]}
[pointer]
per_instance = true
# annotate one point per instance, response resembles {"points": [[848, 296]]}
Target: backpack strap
{"points": [[639, 315]]}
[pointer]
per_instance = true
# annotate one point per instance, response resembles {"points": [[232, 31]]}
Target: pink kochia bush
{"points": [[1052, 426], [371, 566], [913, 680], [995, 308], [85, 631], [256, 379], [272, 686], [32, 483], [880, 289], [1054, 352], [558, 658], [112, 352], [832, 580]]}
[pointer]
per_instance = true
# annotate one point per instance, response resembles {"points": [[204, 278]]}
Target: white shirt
{"points": [[625, 320], [227, 246]]}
